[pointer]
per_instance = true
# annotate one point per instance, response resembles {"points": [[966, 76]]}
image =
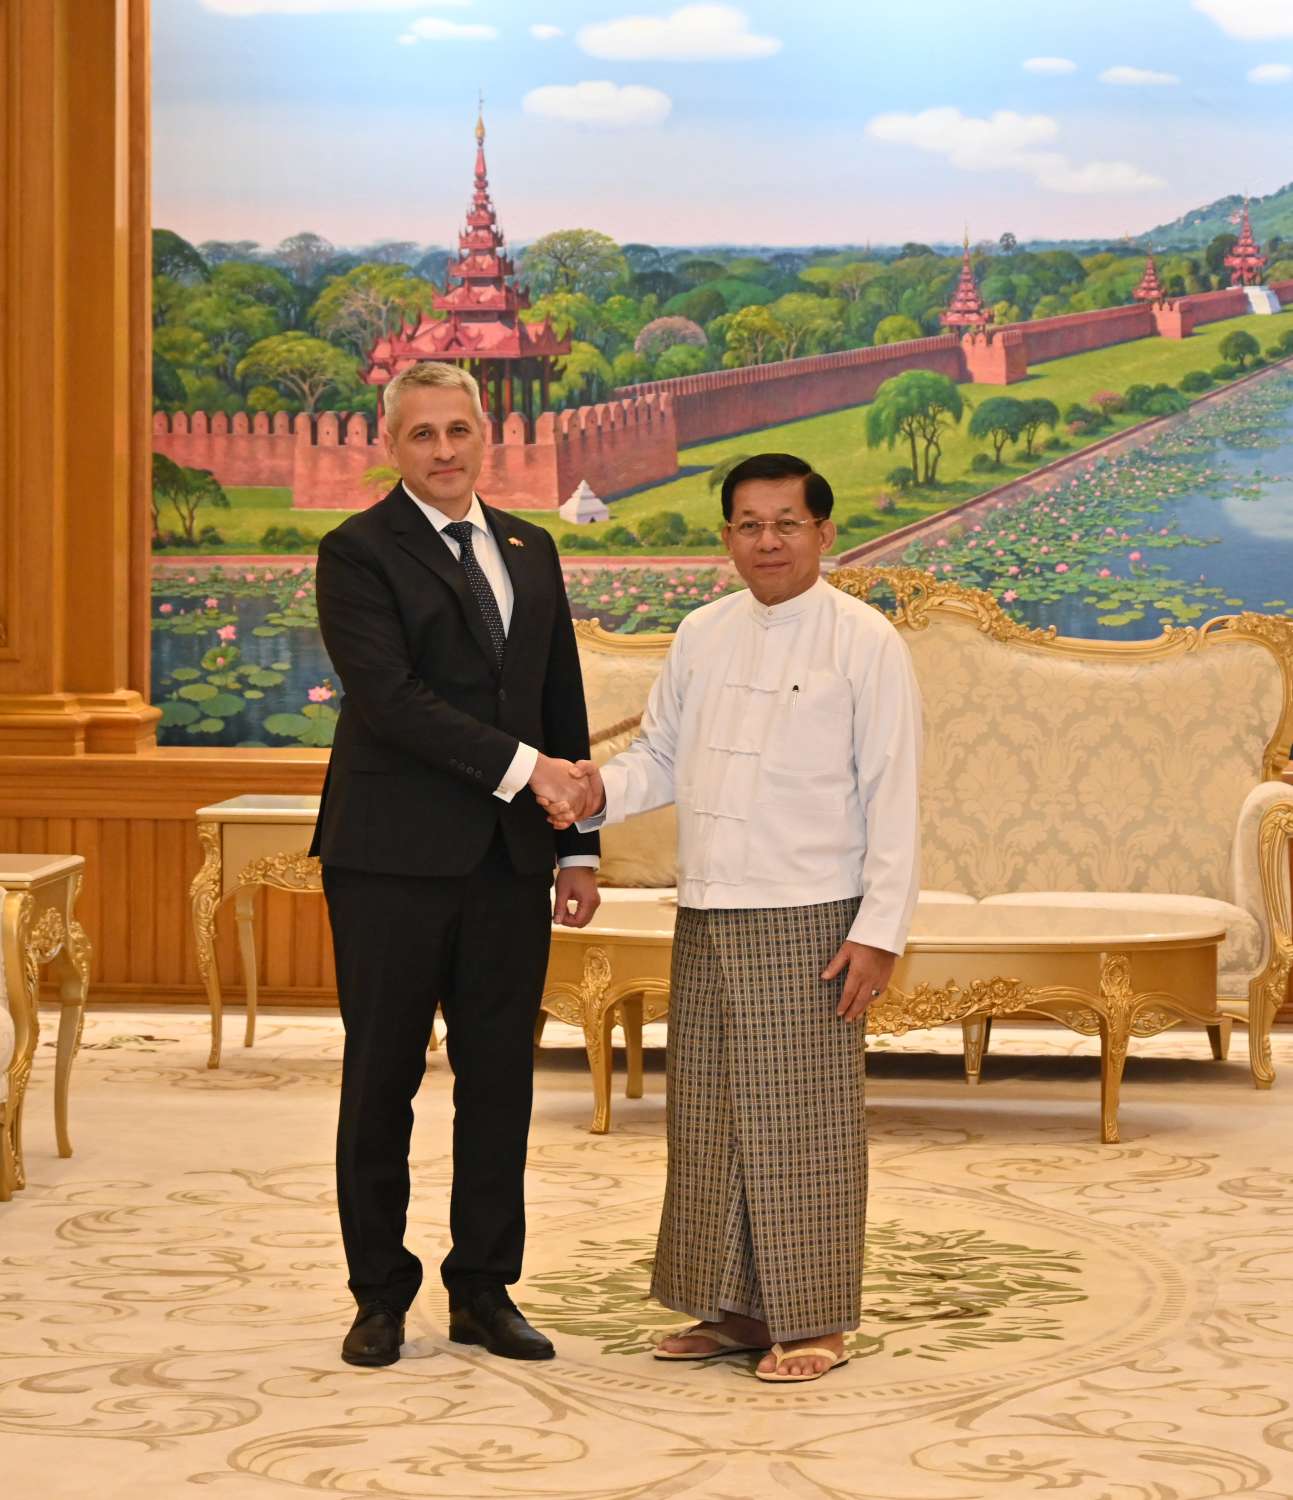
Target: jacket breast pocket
{"points": [[810, 747]]}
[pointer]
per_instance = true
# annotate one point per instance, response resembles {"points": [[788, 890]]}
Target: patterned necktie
{"points": [[461, 532]]}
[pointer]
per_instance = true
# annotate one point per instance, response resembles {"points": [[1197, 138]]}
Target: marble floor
{"points": [[1041, 1313]]}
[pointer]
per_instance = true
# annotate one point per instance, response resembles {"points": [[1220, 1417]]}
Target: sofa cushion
{"points": [[643, 851], [1239, 956]]}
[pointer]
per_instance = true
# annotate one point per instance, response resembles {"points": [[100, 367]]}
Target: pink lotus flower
{"points": [[947, 567], [1045, 550], [643, 609], [691, 593], [1061, 567], [1104, 573], [165, 609], [668, 593], [1013, 571], [249, 578], [228, 632], [191, 579], [1009, 596], [212, 603], [632, 591], [219, 661], [301, 594], [1133, 556], [320, 694], [606, 598]]}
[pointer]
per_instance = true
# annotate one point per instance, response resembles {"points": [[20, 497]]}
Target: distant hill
{"points": [[1270, 215]]}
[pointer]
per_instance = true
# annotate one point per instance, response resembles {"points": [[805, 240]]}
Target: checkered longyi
{"points": [[765, 1204]]}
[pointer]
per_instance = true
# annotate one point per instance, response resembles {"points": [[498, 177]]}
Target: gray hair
{"points": [[431, 373]]}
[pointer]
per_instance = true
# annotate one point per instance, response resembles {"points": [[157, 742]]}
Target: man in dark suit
{"points": [[448, 625]]}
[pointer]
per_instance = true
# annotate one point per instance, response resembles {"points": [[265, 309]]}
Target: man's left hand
{"points": [[868, 974], [577, 887]]}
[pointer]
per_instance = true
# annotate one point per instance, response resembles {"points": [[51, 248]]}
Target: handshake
{"points": [[567, 791]]}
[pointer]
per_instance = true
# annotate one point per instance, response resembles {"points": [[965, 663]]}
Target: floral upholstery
{"points": [[1052, 772]]}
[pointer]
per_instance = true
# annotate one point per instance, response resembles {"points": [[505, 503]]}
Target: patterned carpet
{"points": [[1042, 1313]]}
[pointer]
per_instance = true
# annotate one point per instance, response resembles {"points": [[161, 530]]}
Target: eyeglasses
{"points": [[786, 528]]}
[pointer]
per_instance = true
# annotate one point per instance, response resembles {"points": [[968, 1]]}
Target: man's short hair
{"points": [[433, 373], [818, 495]]}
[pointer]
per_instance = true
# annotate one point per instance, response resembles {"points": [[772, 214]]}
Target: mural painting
{"points": [[1096, 425]]}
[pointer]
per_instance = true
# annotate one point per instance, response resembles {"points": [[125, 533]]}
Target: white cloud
{"points": [[435, 29], [544, 33], [599, 103], [694, 33], [1270, 73], [1137, 77], [1050, 65], [316, 7], [1007, 142], [1250, 20]]}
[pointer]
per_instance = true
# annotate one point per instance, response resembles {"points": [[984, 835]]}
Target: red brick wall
{"points": [[722, 402], [237, 450]]}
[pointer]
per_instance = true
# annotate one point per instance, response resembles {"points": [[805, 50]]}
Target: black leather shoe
{"points": [[375, 1336], [490, 1318]]}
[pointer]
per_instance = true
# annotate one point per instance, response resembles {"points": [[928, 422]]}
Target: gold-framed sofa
{"points": [[1103, 774]]}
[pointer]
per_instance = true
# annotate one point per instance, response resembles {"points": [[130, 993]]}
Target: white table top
{"points": [[20, 871], [943, 927], [300, 810]]}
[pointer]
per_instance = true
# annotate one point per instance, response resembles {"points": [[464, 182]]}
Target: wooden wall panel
{"points": [[133, 820]]}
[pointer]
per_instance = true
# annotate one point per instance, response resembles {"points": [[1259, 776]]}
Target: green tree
{"points": [[305, 255], [574, 260], [1038, 413], [755, 336], [1009, 244], [917, 405], [628, 368], [1238, 347], [369, 303], [306, 367], [1215, 255], [812, 323], [168, 388], [681, 359], [1000, 419], [186, 491], [897, 329], [173, 256], [585, 375]]}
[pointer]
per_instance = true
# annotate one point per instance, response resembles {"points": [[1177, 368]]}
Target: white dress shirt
{"points": [[490, 557], [789, 735]]}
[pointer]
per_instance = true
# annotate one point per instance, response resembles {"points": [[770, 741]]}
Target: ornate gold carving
{"points": [[589, 633], [46, 937], [918, 596], [204, 893], [1267, 991], [934, 1005], [28, 1033], [298, 871]]}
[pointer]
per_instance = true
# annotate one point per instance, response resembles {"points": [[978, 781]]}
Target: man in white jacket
{"points": [[785, 725]]}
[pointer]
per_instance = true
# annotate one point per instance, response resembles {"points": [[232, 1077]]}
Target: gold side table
{"points": [[38, 927], [247, 841]]}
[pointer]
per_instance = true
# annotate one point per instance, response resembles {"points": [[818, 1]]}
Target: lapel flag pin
{"points": [[516, 541]]}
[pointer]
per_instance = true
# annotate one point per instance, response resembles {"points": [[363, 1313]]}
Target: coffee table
{"points": [[1109, 974]]}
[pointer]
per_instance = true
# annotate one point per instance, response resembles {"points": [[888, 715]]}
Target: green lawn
{"points": [[252, 510], [835, 444]]}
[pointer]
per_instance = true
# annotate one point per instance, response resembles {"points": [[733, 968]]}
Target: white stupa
{"points": [[583, 506]]}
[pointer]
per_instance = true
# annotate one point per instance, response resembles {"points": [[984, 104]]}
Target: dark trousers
{"points": [[477, 946]]}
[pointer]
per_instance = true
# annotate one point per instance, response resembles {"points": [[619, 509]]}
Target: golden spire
{"points": [[480, 118]]}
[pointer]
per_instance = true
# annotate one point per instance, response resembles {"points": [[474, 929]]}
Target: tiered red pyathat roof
{"points": [[1149, 289], [1246, 261], [966, 309], [482, 327]]}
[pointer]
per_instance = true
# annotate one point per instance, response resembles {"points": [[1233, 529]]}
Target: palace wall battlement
{"points": [[323, 457]]}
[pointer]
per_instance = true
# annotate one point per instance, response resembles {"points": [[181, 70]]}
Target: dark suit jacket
{"points": [[429, 720]]}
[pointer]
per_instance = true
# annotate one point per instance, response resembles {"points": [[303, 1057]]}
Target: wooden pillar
{"points": [[506, 376], [545, 367], [75, 387]]}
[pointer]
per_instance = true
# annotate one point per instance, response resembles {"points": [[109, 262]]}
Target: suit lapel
{"points": [[416, 535], [520, 562]]}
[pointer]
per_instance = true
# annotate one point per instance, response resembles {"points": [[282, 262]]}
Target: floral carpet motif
{"points": [[1041, 1313]]}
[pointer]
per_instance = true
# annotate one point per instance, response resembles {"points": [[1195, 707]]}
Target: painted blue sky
{"points": [[827, 121]]}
